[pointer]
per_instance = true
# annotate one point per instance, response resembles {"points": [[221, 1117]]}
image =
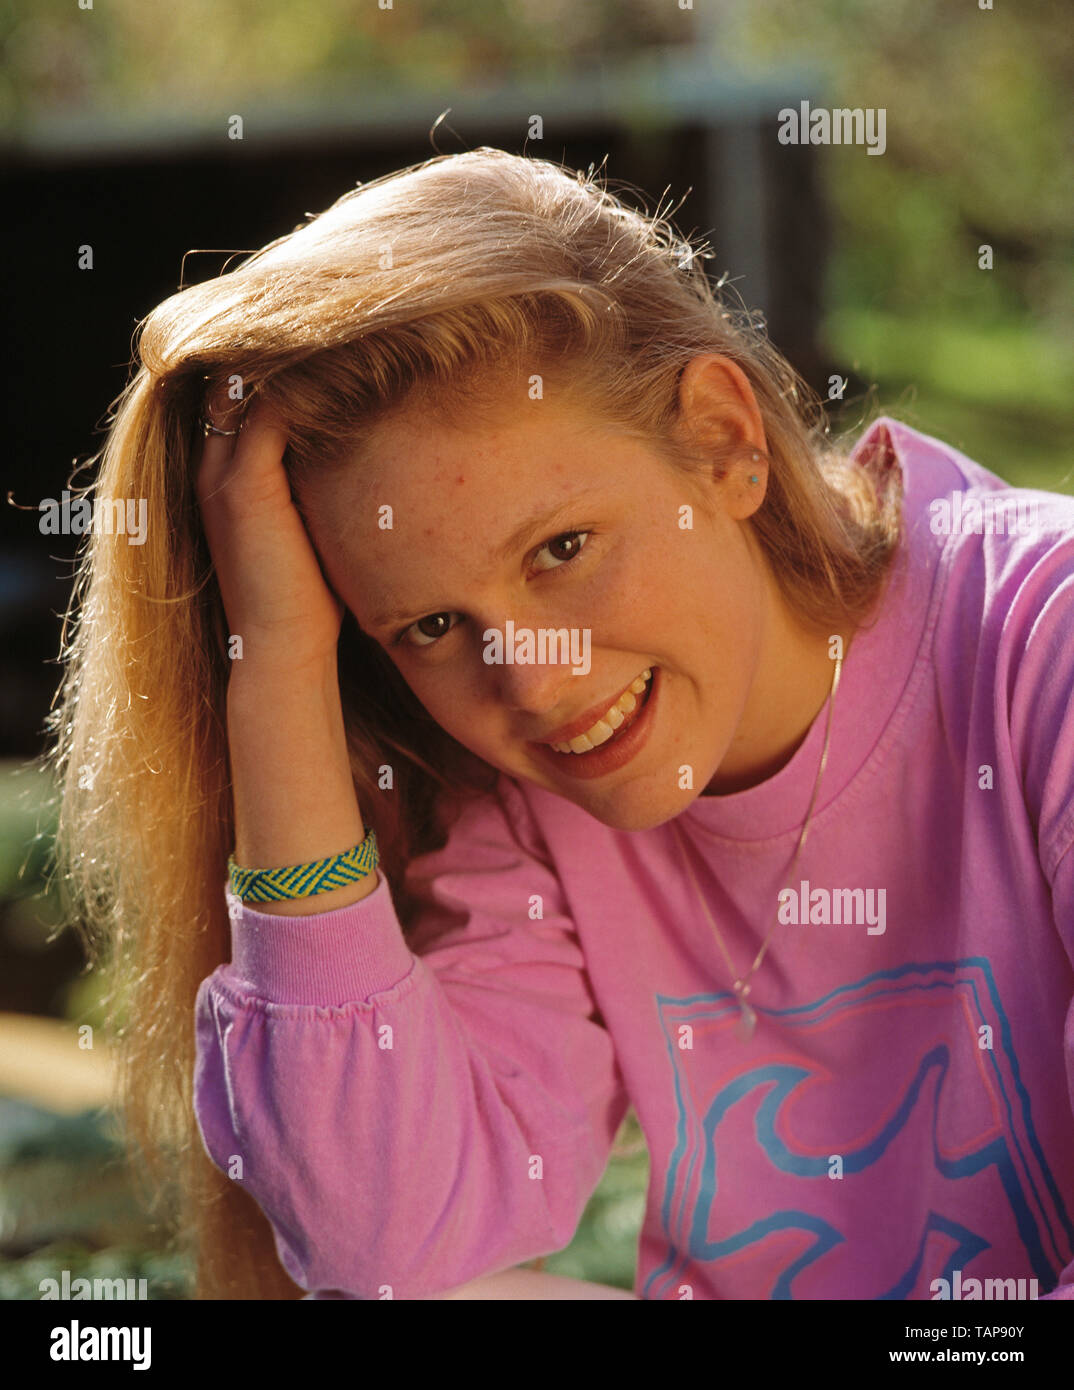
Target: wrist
{"points": [[261, 674]]}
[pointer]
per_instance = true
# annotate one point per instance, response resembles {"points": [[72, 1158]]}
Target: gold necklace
{"points": [[748, 1018]]}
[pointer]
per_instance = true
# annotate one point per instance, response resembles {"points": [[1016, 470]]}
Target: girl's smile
{"points": [[587, 749]]}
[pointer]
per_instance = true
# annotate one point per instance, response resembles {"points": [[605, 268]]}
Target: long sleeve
{"points": [[410, 1119]]}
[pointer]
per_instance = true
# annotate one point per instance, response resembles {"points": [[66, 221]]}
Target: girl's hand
{"points": [[275, 596]]}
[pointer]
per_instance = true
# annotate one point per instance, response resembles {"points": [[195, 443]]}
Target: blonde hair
{"points": [[427, 281]]}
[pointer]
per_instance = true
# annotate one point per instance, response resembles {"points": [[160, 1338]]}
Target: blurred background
{"points": [[114, 127]]}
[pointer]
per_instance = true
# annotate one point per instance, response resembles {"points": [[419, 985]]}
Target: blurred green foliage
{"points": [[980, 114], [605, 1245], [979, 128], [68, 1201], [999, 391], [980, 125], [129, 56]]}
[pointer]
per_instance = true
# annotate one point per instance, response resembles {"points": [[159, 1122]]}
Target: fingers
{"points": [[257, 460], [222, 411], [217, 449], [226, 414], [249, 462], [243, 489], [274, 593]]}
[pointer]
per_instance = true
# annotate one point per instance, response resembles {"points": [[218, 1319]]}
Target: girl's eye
{"points": [[427, 630], [569, 544], [563, 549]]}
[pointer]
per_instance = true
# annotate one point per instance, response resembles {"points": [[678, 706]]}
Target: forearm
{"points": [[293, 792]]}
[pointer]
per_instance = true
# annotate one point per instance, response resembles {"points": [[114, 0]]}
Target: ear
{"points": [[716, 403], [719, 414]]}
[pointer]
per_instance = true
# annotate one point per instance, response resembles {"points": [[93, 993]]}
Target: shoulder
{"points": [[1004, 554], [1002, 642]]}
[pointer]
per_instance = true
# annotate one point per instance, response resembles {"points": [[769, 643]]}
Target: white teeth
{"points": [[600, 733], [611, 720]]}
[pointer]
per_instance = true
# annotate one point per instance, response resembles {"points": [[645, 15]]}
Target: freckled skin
{"points": [[741, 678]]}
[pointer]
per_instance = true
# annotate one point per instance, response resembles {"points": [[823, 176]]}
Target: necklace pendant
{"points": [[747, 1022]]}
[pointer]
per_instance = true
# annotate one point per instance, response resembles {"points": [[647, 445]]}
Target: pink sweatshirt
{"points": [[412, 1113]]}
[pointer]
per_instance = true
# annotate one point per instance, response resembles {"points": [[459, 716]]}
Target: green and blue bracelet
{"points": [[304, 880]]}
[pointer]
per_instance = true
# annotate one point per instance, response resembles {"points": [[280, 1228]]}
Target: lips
{"points": [[613, 753], [613, 713]]}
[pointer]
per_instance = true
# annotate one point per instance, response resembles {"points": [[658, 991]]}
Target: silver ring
{"points": [[208, 428]]}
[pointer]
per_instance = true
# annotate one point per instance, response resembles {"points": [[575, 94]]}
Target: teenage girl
{"points": [[522, 710]]}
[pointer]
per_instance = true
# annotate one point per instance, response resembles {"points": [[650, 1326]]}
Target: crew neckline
{"points": [[881, 670]]}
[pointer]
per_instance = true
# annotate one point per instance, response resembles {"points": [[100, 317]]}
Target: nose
{"points": [[525, 672], [535, 688]]}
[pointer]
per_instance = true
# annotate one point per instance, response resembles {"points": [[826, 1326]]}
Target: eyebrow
{"points": [[537, 523]]}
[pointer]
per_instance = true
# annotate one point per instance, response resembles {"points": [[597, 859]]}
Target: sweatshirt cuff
{"points": [[326, 958]]}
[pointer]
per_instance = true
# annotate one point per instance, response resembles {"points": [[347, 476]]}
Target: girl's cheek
{"points": [[458, 706], [622, 574]]}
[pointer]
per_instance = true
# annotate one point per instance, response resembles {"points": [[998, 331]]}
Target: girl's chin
{"points": [[633, 806]]}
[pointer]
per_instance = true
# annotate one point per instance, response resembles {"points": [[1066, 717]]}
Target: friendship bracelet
{"points": [[304, 880]]}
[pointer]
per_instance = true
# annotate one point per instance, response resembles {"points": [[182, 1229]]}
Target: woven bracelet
{"points": [[304, 880]]}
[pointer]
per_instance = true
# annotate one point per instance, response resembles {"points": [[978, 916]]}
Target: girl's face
{"points": [[551, 523]]}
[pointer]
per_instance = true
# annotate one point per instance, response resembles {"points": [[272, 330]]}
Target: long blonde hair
{"points": [[423, 281]]}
